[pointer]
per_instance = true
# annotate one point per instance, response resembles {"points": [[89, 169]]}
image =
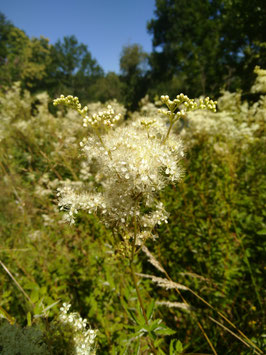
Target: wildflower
{"points": [[134, 161], [84, 339]]}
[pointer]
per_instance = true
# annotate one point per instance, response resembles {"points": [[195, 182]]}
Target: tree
{"points": [[244, 33], [72, 69], [66, 67], [5, 27], [107, 88], [134, 66], [206, 44], [21, 58]]}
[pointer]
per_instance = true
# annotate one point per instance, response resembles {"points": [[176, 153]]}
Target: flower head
{"points": [[134, 161]]}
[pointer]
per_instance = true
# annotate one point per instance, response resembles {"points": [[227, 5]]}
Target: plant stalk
{"points": [[136, 281]]}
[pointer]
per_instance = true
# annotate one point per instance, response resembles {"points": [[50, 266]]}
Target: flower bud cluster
{"points": [[184, 104], [73, 102], [84, 339], [103, 118]]}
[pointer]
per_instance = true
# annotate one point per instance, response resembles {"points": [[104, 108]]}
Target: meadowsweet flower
{"points": [[235, 125], [83, 337], [132, 162], [260, 82]]}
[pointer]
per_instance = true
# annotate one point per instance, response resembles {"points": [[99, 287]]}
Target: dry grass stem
{"points": [[236, 336], [152, 259], [168, 304], [164, 283], [248, 342], [16, 282]]}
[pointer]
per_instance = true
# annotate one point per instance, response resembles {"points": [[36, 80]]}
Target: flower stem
{"points": [[169, 130], [135, 280]]}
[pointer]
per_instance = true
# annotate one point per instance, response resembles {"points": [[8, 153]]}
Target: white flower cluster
{"points": [[39, 124], [13, 107], [133, 164], [44, 186], [235, 126], [84, 338], [147, 108], [260, 83]]}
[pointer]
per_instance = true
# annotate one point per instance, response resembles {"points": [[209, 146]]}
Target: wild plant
{"points": [[235, 127], [68, 333], [211, 245], [134, 161]]}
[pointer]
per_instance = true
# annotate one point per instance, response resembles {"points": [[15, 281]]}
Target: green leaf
{"points": [[161, 352], [135, 318], [158, 341], [166, 331], [34, 296], [29, 319], [150, 309], [176, 347], [137, 348], [5, 315], [262, 232]]}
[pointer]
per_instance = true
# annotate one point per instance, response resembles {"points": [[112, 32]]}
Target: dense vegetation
{"points": [[211, 251]]}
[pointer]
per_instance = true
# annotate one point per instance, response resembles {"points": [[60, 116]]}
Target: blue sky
{"points": [[105, 26]]}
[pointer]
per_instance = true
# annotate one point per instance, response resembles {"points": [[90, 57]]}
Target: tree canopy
{"points": [[72, 69], [199, 47], [134, 69], [21, 58], [207, 44]]}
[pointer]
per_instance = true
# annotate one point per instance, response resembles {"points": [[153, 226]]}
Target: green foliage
{"points": [[108, 87], [207, 44], [22, 59], [133, 66], [67, 66], [14, 340], [213, 243], [72, 69]]}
